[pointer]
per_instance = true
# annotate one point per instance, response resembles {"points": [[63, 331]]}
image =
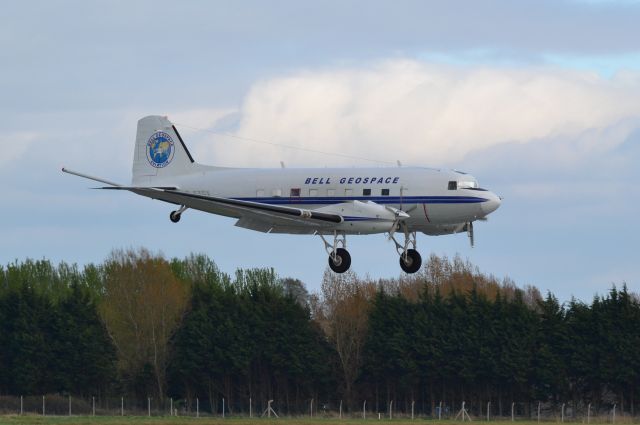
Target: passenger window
{"points": [[453, 185], [366, 192], [385, 192], [348, 192], [313, 192], [277, 192], [331, 192], [260, 193], [295, 191]]}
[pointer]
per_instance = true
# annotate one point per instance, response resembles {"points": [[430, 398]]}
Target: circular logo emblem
{"points": [[160, 149]]}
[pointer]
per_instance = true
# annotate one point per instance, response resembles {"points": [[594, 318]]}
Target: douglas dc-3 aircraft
{"points": [[329, 202]]}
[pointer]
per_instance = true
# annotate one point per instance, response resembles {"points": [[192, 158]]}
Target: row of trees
{"points": [[250, 338], [468, 347], [51, 336], [141, 325]]}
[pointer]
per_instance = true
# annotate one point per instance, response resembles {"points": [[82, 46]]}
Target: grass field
{"points": [[129, 420]]}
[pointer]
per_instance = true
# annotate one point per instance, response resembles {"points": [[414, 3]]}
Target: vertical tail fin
{"points": [[160, 152]]}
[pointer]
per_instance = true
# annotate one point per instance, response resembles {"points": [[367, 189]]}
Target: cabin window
{"points": [[366, 192], [453, 185], [348, 192], [331, 192], [295, 191], [385, 192], [313, 192], [260, 193], [276, 192]]}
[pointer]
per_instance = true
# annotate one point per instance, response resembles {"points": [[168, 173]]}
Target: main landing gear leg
{"points": [[175, 215], [339, 258], [410, 259]]}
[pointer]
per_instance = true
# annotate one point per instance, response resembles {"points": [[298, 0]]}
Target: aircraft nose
{"points": [[491, 204]]}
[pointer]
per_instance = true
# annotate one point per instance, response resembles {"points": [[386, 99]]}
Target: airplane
{"points": [[327, 202]]}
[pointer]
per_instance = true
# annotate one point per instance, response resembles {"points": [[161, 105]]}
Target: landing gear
{"points": [[340, 261], [410, 259], [339, 258], [175, 215]]}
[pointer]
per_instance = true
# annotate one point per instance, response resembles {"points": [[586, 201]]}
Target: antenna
{"points": [[281, 145]]}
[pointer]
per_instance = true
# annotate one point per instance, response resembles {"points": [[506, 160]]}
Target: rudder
{"points": [[160, 152]]}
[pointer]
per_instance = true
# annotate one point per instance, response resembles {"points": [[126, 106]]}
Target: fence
{"points": [[60, 405]]}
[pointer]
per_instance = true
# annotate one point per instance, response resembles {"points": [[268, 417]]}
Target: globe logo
{"points": [[160, 149]]}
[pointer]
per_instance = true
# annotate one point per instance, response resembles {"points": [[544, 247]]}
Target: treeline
{"points": [[141, 325], [51, 336], [466, 346]]}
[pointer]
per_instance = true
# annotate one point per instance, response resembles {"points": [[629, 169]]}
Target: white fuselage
{"points": [[437, 201], [320, 201]]}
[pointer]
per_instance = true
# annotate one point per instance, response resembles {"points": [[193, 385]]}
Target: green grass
{"points": [[133, 420]]}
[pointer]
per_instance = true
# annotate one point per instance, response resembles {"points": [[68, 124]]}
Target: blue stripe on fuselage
{"points": [[321, 200]]}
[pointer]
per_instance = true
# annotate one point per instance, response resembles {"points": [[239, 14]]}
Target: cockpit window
{"points": [[469, 184], [453, 185]]}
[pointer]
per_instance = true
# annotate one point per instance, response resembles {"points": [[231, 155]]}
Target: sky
{"points": [[539, 100]]}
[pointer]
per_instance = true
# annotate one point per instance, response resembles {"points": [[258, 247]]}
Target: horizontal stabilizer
{"points": [[87, 176]]}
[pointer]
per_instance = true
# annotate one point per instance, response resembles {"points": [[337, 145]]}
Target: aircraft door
{"points": [[348, 193]]}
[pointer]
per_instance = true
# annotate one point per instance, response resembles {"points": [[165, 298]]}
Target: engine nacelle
{"points": [[364, 217]]}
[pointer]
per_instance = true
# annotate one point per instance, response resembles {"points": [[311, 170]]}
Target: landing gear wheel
{"points": [[412, 262], [342, 261], [174, 216]]}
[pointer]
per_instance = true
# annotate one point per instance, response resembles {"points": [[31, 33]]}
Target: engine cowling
{"points": [[364, 217]]}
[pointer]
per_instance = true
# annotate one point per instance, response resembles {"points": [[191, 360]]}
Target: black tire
{"points": [[413, 263], [343, 261], [174, 216]]}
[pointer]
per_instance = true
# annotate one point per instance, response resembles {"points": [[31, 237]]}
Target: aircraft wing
{"points": [[251, 214], [268, 223]]}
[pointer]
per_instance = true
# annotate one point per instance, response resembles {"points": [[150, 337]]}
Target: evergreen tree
{"points": [[389, 353], [584, 353], [548, 371], [83, 356], [27, 346]]}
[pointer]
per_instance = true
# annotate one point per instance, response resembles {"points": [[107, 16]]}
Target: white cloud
{"points": [[14, 145], [100, 144], [203, 118], [424, 114], [196, 128]]}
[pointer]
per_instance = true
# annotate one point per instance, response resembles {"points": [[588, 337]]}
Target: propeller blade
{"points": [[470, 233]]}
